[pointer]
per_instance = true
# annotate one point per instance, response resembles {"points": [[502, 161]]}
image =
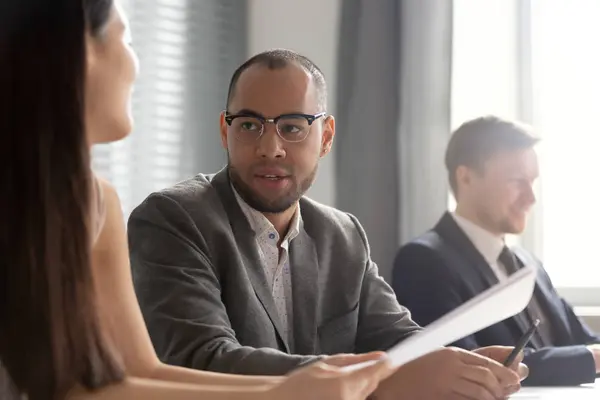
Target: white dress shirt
{"points": [[275, 260], [489, 245]]}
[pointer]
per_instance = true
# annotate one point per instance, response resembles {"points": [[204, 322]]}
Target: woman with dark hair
{"points": [[70, 325]]}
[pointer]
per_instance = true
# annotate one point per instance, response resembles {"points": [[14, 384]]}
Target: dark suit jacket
{"points": [[442, 269], [206, 301]]}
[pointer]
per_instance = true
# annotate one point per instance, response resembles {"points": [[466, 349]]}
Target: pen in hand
{"points": [[521, 344]]}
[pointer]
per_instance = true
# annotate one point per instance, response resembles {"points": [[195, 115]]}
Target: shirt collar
{"points": [[262, 226], [489, 245]]}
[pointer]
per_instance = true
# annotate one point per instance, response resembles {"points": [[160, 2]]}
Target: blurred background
{"points": [[402, 74]]}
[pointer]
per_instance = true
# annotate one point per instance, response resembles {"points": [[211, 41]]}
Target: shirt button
{"points": [[271, 236]]}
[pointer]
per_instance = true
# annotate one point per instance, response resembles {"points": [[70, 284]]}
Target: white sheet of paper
{"points": [[499, 302]]}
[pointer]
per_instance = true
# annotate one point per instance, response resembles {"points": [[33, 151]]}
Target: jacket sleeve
{"points": [[382, 321], [565, 365], [559, 366]]}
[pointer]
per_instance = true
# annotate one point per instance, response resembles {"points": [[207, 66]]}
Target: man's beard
{"points": [[275, 206], [501, 225]]}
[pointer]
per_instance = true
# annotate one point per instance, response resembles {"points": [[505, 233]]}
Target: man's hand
{"points": [[450, 373], [501, 353], [595, 349]]}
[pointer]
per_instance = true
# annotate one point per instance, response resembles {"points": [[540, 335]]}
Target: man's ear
{"points": [[223, 129], [464, 176], [328, 135]]}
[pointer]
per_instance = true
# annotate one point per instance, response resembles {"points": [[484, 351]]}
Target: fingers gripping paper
{"points": [[499, 302]]}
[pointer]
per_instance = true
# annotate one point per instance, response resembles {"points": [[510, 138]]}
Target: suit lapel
{"points": [[248, 248], [449, 230], [305, 280], [544, 296], [558, 320]]}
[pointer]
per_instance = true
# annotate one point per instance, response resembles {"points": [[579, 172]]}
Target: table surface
{"points": [[591, 391]]}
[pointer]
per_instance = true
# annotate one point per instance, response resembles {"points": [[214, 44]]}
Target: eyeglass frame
{"points": [[310, 118]]}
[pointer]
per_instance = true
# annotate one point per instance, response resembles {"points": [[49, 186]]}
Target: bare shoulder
{"points": [[113, 229], [111, 199], [108, 191]]}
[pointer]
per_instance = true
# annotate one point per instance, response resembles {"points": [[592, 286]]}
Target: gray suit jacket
{"points": [[206, 301]]}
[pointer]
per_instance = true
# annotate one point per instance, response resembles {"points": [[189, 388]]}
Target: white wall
{"points": [[309, 27]]}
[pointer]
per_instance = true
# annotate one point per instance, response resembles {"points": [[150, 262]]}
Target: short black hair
{"points": [[281, 58], [477, 140]]}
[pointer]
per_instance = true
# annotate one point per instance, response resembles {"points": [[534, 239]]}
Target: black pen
{"points": [[521, 344]]}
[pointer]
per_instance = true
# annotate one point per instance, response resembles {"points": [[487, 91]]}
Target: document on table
{"points": [[499, 302]]}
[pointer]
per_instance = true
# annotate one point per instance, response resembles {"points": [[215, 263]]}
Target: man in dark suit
{"points": [[239, 272], [492, 167]]}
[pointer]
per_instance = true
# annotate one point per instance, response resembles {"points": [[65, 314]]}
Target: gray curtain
{"points": [[393, 118]]}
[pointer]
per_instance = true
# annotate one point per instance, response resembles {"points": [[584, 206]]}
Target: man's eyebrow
{"points": [[247, 111]]}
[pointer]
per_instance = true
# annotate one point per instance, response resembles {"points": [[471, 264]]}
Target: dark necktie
{"points": [[532, 311], [509, 260]]}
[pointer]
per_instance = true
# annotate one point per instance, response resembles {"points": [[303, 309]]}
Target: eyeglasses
{"points": [[291, 128]]}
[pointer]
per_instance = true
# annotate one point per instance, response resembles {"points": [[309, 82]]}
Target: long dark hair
{"points": [[50, 333]]}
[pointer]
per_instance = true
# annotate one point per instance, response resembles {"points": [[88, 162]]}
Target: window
{"points": [[566, 107], [486, 68], [188, 50], [484, 64], [538, 61]]}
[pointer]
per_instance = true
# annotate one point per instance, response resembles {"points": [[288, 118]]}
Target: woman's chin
{"points": [[114, 134]]}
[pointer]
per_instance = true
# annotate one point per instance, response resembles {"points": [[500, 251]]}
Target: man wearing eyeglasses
{"points": [[240, 272]]}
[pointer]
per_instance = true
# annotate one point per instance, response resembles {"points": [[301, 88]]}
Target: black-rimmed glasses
{"points": [[292, 128]]}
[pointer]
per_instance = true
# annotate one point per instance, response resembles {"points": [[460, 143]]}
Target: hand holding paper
{"points": [[494, 305], [459, 372], [450, 373]]}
